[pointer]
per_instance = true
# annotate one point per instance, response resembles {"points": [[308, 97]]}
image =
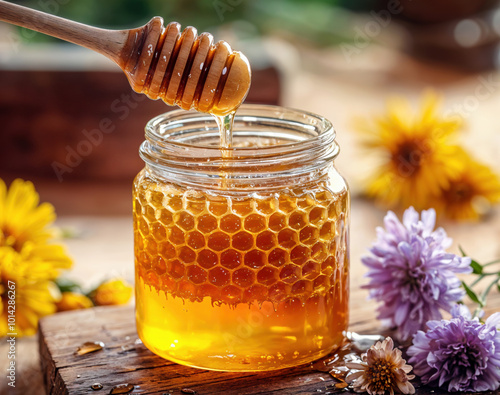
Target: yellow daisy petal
{"points": [[73, 301], [112, 292], [22, 219], [417, 157], [471, 193], [28, 278]]}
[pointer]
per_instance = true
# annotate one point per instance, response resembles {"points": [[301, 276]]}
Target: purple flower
{"points": [[461, 353], [411, 273]]}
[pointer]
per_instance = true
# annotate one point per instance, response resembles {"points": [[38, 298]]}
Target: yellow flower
{"points": [[27, 261], [38, 261], [112, 292], [416, 157], [73, 301], [24, 227], [23, 300], [382, 371], [471, 193], [22, 219]]}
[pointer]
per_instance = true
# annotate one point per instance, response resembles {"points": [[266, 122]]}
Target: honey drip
{"points": [[225, 124]]}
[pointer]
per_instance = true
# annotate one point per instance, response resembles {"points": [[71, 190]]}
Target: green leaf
{"points": [[472, 295], [477, 268], [66, 285]]}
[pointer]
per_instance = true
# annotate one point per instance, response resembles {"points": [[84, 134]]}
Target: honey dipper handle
{"points": [[107, 42]]}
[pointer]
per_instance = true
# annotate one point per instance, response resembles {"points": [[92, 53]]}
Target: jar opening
{"points": [[269, 142]]}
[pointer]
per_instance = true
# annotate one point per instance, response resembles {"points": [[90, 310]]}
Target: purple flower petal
{"points": [[411, 273], [460, 354]]}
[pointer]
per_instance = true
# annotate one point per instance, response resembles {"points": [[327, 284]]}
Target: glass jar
{"points": [[241, 254]]}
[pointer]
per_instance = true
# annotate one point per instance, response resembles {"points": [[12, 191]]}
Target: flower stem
{"points": [[491, 263], [477, 280], [482, 276], [487, 290]]}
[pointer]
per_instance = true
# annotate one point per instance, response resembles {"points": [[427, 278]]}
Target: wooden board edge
{"points": [[51, 377]]}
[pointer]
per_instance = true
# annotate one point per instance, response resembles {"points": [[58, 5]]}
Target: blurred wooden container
{"points": [[81, 124], [463, 34]]}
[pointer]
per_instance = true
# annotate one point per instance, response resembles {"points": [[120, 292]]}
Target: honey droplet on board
{"points": [[320, 366], [127, 348], [122, 389], [88, 347], [96, 386], [339, 373]]}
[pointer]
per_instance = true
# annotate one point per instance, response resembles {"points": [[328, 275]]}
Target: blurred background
{"points": [[342, 59], [338, 58]]}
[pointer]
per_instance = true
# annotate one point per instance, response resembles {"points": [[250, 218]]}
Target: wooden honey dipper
{"points": [[182, 69]]}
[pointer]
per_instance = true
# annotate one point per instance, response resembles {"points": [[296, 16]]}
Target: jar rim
{"points": [[176, 117], [292, 142]]}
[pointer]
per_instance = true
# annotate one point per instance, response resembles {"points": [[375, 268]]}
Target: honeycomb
{"points": [[232, 250]]}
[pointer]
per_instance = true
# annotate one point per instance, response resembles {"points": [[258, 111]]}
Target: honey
{"points": [[233, 274], [250, 284]]}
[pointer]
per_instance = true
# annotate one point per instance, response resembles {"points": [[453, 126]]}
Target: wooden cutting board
{"points": [[126, 361]]}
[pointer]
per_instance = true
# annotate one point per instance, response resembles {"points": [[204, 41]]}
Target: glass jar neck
{"points": [[272, 147]]}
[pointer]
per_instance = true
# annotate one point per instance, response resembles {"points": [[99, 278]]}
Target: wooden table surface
{"points": [[111, 254], [126, 361]]}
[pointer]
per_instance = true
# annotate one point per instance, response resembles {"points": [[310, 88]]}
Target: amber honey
{"points": [[238, 277], [240, 284]]}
